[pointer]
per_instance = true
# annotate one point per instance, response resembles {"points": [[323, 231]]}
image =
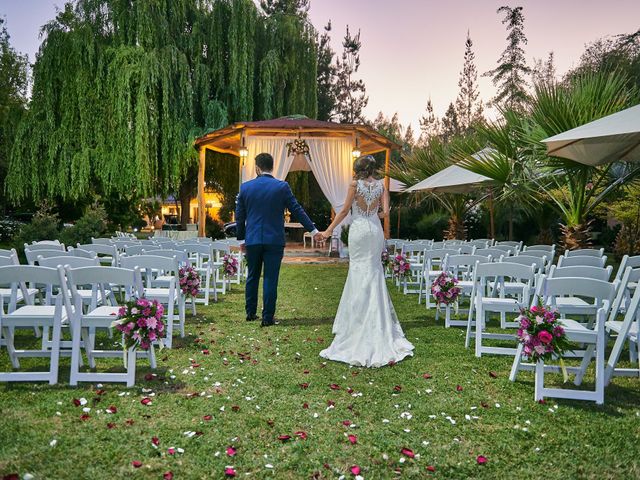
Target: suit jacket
{"points": [[260, 211]]}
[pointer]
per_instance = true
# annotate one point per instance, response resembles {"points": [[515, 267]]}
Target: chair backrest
{"points": [[198, 248], [602, 292], [9, 260], [581, 271], [32, 255], [5, 252], [536, 253], [167, 264], [46, 242], [437, 245], [139, 249], [514, 271], [582, 260], [99, 249], [413, 249], [440, 253], [129, 279], [15, 274], [44, 245], [627, 261], [508, 250], [494, 253], [588, 252], [537, 262], [480, 243], [454, 262], [80, 252], [69, 260], [467, 249], [102, 241], [180, 255], [222, 247], [544, 248]]}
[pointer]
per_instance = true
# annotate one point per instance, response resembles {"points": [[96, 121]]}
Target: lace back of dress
{"points": [[368, 197]]}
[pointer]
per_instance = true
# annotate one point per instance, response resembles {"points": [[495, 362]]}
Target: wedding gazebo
{"points": [[326, 149]]}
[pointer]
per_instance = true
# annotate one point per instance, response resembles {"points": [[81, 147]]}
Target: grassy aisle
{"points": [[233, 384]]}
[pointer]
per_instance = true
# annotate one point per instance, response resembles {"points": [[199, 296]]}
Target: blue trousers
{"points": [[258, 257]]}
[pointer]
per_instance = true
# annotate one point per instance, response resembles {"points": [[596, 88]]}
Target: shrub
{"points": [[213, 228], [92, 224], [45, 225], [431, 225], [9, 229]]}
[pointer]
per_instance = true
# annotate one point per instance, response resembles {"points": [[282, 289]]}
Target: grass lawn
{"points": [[230, 383]]}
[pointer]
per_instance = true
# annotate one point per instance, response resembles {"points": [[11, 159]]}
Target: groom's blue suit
{"points": [[260, 223]]}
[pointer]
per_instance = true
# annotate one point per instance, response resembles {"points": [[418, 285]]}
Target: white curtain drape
{"points": [[331, 164], [277, 147]]}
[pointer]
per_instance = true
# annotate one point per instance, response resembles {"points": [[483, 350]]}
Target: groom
{"points": [[260, 223]]}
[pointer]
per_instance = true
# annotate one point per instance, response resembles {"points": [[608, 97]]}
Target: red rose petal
{"points": [[84, 417], [167, 476], [205, 352], [481, 459], [334, 386], [407, 452], [235, 408], [112, 409], [284, 438], [493, 374], [346, 423], [355, 470], [171, 451], [76, 402], [155, 441], [148, 377], [145, 401], [397, 388], [207, 417], [11, 476], [111, 426], [136, 464], [484, 404], [231, 451], [431, 468], [100, 392], [353, 439], [304, 386], [305, 405], [302, 435], [129, 422], [331, 403], [229, 472], [459, 388], [427, 376]]}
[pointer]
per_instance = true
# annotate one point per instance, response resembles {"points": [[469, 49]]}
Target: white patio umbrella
{"points": [[608, 139], [395, 186]]}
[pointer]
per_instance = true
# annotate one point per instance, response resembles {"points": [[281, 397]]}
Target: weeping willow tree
{"points": [[122, 88]]}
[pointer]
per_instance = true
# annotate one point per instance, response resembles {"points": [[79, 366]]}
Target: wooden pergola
{"points": [[231, 140]]}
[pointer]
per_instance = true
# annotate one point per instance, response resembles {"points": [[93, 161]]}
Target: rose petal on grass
{"points": [[305, 405], [304, 386], [111, 409], [334, 386], [145, 401], [207, 418], [84, 417], [353, 439], [231, 451], [397, 388], [355, 470], [76, 402], [284, 438], [167, 475], [230, 472], [459, 388], [493, 374], [431, 468], [171, 451], [481, 459], [155, 441], [427, 376], [136, 464], [302, 435], [407, 452], [111, 426], [346, 423]]}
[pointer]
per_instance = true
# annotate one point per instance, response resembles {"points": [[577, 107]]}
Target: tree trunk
{"points": [[575, 237], [456, 230], [185, 195]]}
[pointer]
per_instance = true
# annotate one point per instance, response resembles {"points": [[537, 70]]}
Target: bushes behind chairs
{"points": [[92, 224]]}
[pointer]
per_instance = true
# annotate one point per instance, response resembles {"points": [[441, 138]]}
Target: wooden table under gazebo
{"points": [[326, 149]]}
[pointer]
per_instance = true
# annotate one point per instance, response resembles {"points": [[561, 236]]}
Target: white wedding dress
{"points": [[366, 327]]}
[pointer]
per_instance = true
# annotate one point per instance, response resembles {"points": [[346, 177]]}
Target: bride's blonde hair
{"points": [[365, 167]]}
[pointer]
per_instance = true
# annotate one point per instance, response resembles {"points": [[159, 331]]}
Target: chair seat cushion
{"points": [[577, 331], [616, 326]]}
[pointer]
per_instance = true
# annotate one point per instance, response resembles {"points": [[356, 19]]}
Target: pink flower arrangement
{"points": [[444, 289], [189, 280], [400, 266], [230, 266], [140, 321], [541, 333]]}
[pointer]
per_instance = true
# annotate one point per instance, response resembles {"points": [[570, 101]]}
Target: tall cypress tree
{"points": [[510, 74], [429, 125], [326, 76], [468, 105], [350, 92]]}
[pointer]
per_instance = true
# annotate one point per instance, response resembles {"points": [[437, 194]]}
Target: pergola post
{"points": [[202, 214], [387, 184]]}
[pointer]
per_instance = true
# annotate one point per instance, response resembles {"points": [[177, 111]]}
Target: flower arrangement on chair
{"points": [[189, 280], [230, 265], [400, 266], [541, 334], [140, 322], [445, 290]]}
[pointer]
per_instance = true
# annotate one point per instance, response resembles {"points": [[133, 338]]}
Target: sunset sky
{"points": [[413, 49]]}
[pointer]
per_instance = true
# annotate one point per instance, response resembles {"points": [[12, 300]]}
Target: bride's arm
{"points": [[343, 213], [385, 204]]}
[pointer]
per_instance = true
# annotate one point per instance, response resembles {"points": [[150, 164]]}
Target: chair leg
{"points": [[600, 361], [517, 360], [11, 350], [88, 347], [55, 351], [131, 367], [584, 364], [539, 381], [479, 329], [76, 354]]}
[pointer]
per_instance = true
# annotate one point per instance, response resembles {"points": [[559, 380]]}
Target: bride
{"points": [[366, 327]]}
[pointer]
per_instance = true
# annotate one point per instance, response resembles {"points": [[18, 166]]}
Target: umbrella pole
{"points": [[492, 226]]}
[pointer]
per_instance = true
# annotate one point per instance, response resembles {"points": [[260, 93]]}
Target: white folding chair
{"points": [[494, 253], [80, 252], [169, 295], [107, 254], [515, 246], [414, 253], [481, 242], [33, 316], [467, 249], [83, 324], [102, 241], [202, 257], [633, 262], [593, 337], [25, 293], [44, 245], [507, 250], [461, 267], [582, 260], [32, 255], [491, 295]]}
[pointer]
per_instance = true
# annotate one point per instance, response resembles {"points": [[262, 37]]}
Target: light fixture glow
{"points": [[356, 153], [244, 152]]}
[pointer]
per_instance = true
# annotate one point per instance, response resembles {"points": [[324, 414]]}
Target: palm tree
{"points": [[424, 162], [576, 189]]}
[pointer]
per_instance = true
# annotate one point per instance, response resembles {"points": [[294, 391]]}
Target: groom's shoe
{"points": [[269, 323], [251, 318]]}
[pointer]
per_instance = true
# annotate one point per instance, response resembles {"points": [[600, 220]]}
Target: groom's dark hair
{"points": [[264, 161]]}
